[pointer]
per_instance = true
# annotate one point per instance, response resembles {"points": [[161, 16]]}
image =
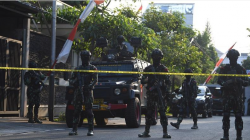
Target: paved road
{"points": [[209, 129]]}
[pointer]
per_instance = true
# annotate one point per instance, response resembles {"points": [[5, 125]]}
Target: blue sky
{"points": [[228, 20]]}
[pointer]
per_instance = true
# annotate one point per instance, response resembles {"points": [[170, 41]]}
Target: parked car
{"points": [[175, 101], [218, 101], [204, 102]]}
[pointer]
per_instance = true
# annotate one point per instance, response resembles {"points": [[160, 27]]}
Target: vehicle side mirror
{"points": [[209, 94], [207, 91], [66, 76]]}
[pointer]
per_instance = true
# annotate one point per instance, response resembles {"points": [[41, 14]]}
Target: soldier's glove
{"points": [[245, 83], [38, 84]]}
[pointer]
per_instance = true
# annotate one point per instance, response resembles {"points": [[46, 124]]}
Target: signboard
{"points": [[183, 8]]}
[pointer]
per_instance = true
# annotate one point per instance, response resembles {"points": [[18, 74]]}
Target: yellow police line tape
{"points": [[123, 72]]}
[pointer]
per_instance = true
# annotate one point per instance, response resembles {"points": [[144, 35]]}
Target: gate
{"points": [[10, 80]]}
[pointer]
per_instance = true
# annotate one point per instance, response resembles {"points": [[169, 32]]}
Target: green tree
{"points": [[178, 52], [246, 63], [210, 56], [122, 21]]}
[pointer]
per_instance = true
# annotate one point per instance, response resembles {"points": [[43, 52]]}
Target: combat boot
{"points": [[165, 132], [239, 133], [195, 126], [90, 130], [74, 130], [37, 120], [176, 125], [31, 120], [226, 135], [146, 132]]}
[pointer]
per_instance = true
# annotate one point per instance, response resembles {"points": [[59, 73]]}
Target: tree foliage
{"points": [[123, 21], [157, 29], [179, 54], [246, 63], [210, 56]]}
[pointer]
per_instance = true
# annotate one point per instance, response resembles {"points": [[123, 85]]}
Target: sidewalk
{"points": [[18, 125]]}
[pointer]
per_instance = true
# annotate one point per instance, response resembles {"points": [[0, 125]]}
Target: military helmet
{"points": [[157, 53], [32, 64], [121, 38], [233, 53], [188, 70], [85, 54]]}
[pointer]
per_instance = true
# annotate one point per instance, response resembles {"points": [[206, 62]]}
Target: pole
{"points": [[53, 50], [25, 61]]}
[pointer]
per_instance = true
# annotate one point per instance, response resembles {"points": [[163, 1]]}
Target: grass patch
{"points": [[61, 118]]}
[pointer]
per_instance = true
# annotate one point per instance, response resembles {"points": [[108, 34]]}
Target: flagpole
{"points": [[218, 65]]}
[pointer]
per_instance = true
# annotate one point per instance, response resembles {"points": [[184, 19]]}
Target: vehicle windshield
{"points": [[114, 67], [201, 91]]}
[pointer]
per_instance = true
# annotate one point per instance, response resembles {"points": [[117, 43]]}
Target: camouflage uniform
{"points": [[232, 94], [189, 91], [33, 79], [152, 96], [88, 81]]}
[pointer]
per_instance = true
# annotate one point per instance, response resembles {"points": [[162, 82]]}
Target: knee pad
{"points": [[239, 125], [226, 121], [238, 122]]}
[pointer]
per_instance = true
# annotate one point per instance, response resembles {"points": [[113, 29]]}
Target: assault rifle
{"points": [[81, 82], [37, 78], [157, 87]]}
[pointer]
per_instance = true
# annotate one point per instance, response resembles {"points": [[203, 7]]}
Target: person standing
{"points": [[189, 91], [232, 94], [84, 83], [155, 85], [33, 79]]}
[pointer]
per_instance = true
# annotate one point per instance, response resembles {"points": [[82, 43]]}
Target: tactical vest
{"points": [[151, 78]]}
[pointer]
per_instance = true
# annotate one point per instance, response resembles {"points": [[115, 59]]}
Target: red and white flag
{"points": [[140, 9], [63, 56], [218, 64]]}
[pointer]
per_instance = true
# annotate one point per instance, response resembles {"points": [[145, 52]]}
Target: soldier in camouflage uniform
{"points": [[232, 93], [152, 95], [84, 84], [189, 91], [33, 79]]}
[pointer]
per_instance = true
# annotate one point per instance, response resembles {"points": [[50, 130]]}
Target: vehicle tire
{"points": [[204, 115], [155, 117], [210, 114], [69, 117], [101, 121], [214, 113], [133, 113]]}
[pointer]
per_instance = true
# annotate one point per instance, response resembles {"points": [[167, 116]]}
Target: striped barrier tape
{"points": [[122, 72]]}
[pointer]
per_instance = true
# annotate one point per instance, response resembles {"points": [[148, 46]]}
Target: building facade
{"points": [[186, 8]]}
